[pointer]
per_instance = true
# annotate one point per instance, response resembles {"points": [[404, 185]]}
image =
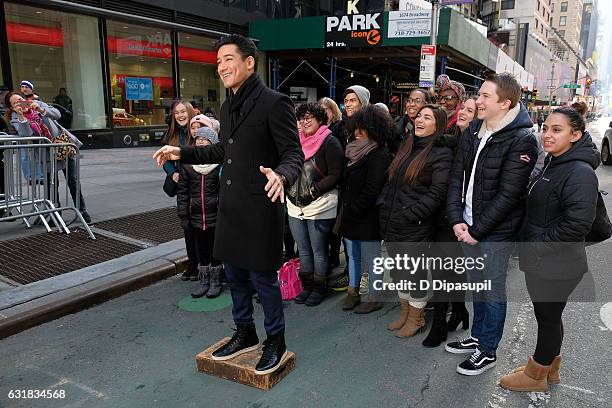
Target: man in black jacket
{"points": [[261, 156], [484, 205]]}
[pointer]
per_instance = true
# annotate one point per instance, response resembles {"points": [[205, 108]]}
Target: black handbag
{"points": [[170, 187], [602, 227], [301, 193]]}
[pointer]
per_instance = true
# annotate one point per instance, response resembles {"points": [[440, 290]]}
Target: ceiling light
{"points": [[39, 12], [125, 27], [377, 79], [352, 74]]}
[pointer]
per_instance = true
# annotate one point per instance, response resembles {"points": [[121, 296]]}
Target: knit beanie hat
{"points": [[202, 119], [29, 84], [382, 106], [216, 126], [208, 134], [362, 93]]}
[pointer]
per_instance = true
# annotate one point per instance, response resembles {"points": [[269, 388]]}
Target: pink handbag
{"points": [[289, 280]]}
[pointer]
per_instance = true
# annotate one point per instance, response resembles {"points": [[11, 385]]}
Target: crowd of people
{"points": [[454, 174]]}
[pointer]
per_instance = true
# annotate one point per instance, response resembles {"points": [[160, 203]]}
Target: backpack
{"points": [[602, 227], [289, 280]]}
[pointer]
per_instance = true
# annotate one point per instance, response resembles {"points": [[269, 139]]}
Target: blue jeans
{"points": [[242, 284], [489, 306], [311, 237], [26, 154], [361, 258]]}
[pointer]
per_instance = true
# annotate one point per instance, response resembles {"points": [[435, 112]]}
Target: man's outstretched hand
{"points": [[275, 185], [167, 153]]}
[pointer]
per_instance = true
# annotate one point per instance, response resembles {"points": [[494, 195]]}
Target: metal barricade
{"points": [[38, 195]]}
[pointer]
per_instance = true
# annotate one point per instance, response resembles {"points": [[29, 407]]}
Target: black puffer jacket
{"points": [[560, 212], [361, 186], [409, 212], [500, 181], [197, 197]]}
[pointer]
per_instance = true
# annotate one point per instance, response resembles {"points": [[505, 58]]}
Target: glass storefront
{"points": [[198, 70], [60, 54], [140, 67]]}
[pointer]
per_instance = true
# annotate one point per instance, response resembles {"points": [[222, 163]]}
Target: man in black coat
{"points": [[487, 186], [261, 155]]}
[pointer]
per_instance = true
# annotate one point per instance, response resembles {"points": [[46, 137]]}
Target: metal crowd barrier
{"points": [[38, 197]]}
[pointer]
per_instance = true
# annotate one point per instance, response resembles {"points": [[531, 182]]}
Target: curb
{"points": [[42, 309]]}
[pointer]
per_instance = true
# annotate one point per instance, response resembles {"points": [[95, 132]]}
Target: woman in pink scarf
{"points": [[312, 207]]}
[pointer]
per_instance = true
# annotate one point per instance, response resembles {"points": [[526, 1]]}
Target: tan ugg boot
{"points": [[553, 376], [401, 320], [352, 299], [414, 323], [533, 378]]}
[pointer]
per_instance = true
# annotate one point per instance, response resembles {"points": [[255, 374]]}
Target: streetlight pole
{"points": [[435, 7]]}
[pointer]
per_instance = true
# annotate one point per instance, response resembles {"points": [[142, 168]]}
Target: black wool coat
{"points": [[560, 210], [249, 230], [197, 197], [500, 179], [361, 187], [410, 212]]}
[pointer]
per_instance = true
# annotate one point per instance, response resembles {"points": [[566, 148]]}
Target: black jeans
{"points": [[71, 179], [243, 283], [204, 243], [548, 312]]}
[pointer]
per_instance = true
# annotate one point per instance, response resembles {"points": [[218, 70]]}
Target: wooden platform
{"points": [[241, 369]]}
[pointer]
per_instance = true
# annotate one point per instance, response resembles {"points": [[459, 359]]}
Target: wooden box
{"points": [[241, 369]]}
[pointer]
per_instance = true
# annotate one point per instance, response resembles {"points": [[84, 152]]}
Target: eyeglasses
{"points": [[415, 101], [446, 98], [307, 119]]}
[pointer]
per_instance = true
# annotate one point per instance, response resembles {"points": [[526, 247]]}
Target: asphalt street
{"points": [[139, 351]]}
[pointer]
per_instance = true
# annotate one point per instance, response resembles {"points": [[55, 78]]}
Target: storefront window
{"points": [[198, 70], [140, 62], [60, 54]]}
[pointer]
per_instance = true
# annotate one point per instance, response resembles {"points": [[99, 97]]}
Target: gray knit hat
{"points": [[362, 93], [208, 134]]}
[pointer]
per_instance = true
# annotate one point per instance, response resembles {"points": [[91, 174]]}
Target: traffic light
{"points": [[535, 94], [588, 83]]}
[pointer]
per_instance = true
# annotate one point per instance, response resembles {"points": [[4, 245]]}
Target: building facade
{"points": [[120, 63]]}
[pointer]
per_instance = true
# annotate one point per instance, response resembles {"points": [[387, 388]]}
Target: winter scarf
{"points": [[204, 169], [37, 124], [312, 144], [358, 149]]}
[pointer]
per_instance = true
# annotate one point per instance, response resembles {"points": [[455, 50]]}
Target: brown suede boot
{"points": [[352, 299], [401, 320], [414, 323], [553, 376], [533, 378]]}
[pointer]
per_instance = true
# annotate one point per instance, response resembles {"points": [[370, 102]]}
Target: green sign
{"points": [[572, 86]]}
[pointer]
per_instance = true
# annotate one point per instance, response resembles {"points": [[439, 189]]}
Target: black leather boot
{"points": [[459, 315], [438, 332], [244, 340], [204, 282], [307, 286], [274, 350], [318, 291]]}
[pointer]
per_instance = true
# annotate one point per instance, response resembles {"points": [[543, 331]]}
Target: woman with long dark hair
{"points": [[179, 134], [418, 180], [404, 125], [560, 210]]}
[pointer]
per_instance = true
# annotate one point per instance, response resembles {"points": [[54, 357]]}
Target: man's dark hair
{"points": [[375, 121], [507, 88], [246, 47], [315, 109]]}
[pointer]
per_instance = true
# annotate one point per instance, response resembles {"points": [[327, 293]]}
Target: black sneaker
{"points": [[274, 351], [467, 345], [244, 340], [478, 363]]}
